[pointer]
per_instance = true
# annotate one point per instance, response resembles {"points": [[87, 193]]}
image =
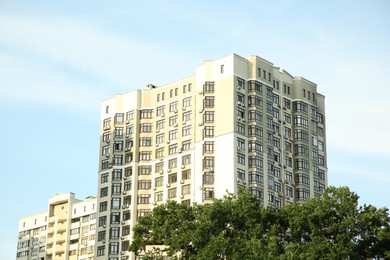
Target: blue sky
{"points": [[60, 59]]}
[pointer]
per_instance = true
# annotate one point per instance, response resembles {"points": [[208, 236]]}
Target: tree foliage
{"points": [[236, 227]]}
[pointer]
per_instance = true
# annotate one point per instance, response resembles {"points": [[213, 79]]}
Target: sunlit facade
{"points": [[66, 231], [238, 122]]}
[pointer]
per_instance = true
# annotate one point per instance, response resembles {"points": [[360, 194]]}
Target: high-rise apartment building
{"points": [[66, 231], [238, 122]]}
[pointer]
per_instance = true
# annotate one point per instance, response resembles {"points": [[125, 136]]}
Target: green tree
{"points": [[237, 227]]}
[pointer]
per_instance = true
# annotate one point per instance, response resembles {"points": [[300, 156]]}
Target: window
{"points": [[208, 147], [160, 111], [186, 160], [104, 192], [208, 117], [241, 143], [189, 87], [104, 178], [240, 113], [143, 199], [186, 145], [106, 137], [300, 121], [127, 186], [186, 117], [301, 135], [172, 164], [173, 134], [185, 189], [146, 128], [102, 221], [158, 196], [146, 113], [255, 116], [144, 184], [301, 164], [128, 171], [129, 130], [208, 102], [159, 167], [255, 146], [255, 131], [173, 107], [144, 170], [257, 192], [301, 149], [186, 131], [208, 131], [222, 68], [102, 235], [172, 193], [208, 87], [208, 194], [241, 98], [130, 115], [240, 128], [173, 121], [106, 123], [159, 153], [115, 218], [186, 175], [126, 231], [208, 178], [241, 174], [100, 250], [160, 138], [119, 118], [302, 194], [158, 182], [255, 162], [255, 101], [255, 177], [241, 158], [172, 178], [208, 162], [300, 107], [145, 141], [103, 206], [187, 102], [115, 203], [160, 125], [114, 248], [240, 83], [145, 156]]}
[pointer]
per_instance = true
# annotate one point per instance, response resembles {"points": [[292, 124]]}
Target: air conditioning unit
{"points": [[280, 194], [168, 142], [161, 172], [288, 198], [107, 155], [127, 136], [238, 180], [200, 110], [127, 121], [184, 122], [169, 170], [154, 188], [239, 118], [123, 206], [200, 92], [124, 193], [200, 124], [183, 166], [284, 108], [182, 196], [104, 226], [168, 185], [176, 125], [122, 252], [184, 108], [175, 111], [157, 130], [122, 239], [181, 181], [157, 145], [279, 120], [123, 222], [284, 122], [103, 241], [239, 103], [125, 178], [154, 203]]}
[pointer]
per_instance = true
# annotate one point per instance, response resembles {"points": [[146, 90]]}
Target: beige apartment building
{"points": [[238, 122], [66, 231]]}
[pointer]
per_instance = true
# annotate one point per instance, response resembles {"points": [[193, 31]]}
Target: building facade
{"points": [[238, 122], [66, 231]]}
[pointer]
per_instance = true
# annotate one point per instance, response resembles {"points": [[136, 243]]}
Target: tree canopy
{"points": [[237, 227]]}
